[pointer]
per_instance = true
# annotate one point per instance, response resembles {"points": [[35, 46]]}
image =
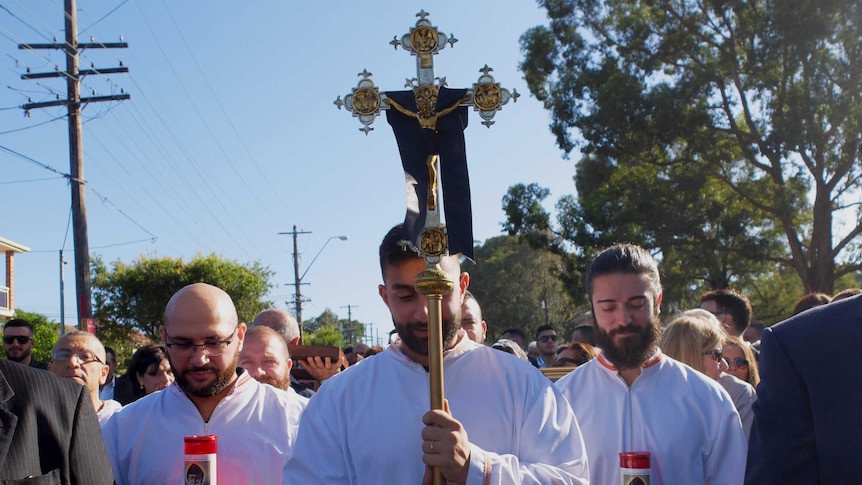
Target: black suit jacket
{"points": [[48, 430], [808, 413]]}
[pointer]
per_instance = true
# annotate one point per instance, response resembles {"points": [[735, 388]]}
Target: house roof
{"points": [[7, 245]]}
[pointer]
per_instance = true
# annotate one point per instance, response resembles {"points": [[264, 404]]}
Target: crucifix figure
{"points": [[429, 122]]}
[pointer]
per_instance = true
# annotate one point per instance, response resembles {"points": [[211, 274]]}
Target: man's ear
{"points": [[104, 377], [162, 333], [240, 334], [658, 303], [381, 289], [463, 283]]}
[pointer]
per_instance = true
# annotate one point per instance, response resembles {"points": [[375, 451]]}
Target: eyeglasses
{"points": [[83, 356], [22, 339], [716, 354], [740, 362], [210, 349], [545, 338]]}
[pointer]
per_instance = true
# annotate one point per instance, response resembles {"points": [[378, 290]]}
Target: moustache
{"points": [[627, 329], [202, 368]]}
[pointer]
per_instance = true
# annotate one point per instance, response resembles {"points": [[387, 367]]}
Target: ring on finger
{"points": [[432, 448]]}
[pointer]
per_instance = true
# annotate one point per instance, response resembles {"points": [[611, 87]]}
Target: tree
{"points": [[45, 334], [132, 297], [326, 335], [520, 286], [350, 332], [765, 98]]}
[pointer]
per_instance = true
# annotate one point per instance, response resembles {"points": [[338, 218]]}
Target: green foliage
{"points": [[520, 286], [325, 335], [131, 298], [725, 125], [350, 332], [45, 334]]}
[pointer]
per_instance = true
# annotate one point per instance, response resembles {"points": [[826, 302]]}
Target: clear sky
{"points": [[231, 137]]}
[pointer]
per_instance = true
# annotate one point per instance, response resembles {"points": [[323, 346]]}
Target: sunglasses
{"points": [[740, 362], [22, 339], [545, 338], [716, 354]]}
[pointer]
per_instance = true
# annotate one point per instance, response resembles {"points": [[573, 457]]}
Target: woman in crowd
{"points": [[696, 339], [575, 354], [149, 371], [741, 362]]}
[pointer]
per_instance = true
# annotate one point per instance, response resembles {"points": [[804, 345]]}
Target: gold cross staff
{"points": [[366, 102]]}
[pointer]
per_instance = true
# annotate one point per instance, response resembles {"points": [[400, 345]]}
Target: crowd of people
{"points": [[709, 396]]}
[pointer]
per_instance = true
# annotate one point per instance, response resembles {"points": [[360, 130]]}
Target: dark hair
{"points": [[516, 331], [811, 300], [847, 293], [18, 322], [626, 259], [736, 304], [583, 352], [112, 353], [393, 252], [544, 328], [142, 361], [589, 334]]}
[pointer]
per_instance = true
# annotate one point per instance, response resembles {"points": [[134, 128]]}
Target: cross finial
{"points": [[422, 14]]}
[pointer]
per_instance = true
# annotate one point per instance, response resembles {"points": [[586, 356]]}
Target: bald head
{"points": [[199, 302], [281, 321], [93, 344]]}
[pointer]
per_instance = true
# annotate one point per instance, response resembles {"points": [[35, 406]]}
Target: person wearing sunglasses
{"points": [[80, 357], [741, 362], [546, 343], [696, 338], [18, 343]]}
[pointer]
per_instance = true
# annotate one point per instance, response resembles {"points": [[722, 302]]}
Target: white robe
{"points": [[256, 426], [364, 425], [683, 418]]}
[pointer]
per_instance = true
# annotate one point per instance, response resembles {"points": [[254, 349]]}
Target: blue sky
{"points": [[231, 137]]}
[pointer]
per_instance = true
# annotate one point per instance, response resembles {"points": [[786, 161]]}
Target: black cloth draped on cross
{"points": [[415, 145]]}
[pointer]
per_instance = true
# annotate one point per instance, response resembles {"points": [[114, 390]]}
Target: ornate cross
{"points": [[427, 105]]}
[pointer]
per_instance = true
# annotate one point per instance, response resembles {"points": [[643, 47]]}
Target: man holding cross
{"points": [[523, 431]]}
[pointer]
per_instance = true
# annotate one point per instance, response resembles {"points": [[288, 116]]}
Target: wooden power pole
{"points": [[73, 104]]}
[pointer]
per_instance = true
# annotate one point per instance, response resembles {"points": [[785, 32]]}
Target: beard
{"points": [[419, 345], [17, 355], [282, 384], [221, 381], [633, 351]]}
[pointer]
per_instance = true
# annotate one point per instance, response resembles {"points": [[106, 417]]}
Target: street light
{"points": [[297, 279]]}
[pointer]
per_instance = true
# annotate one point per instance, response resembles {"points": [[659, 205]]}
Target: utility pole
{"points": [[350, 318], [297, 281], [73, 103]]}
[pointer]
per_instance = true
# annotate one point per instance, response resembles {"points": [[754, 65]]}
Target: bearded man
{"points": [[506, 424], [633, 398], [256, 424]]}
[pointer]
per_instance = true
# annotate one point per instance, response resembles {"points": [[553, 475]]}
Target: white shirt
{"points": [[110, 408], [256, 426], [683, 418], [364, 426]]}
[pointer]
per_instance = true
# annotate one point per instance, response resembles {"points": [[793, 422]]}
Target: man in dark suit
{"points": [[808, 415], [48, 430]]}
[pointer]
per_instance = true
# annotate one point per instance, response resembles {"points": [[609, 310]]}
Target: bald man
{"points": [[256, 424], [266, 358], [286, 325], [80, 356]]}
